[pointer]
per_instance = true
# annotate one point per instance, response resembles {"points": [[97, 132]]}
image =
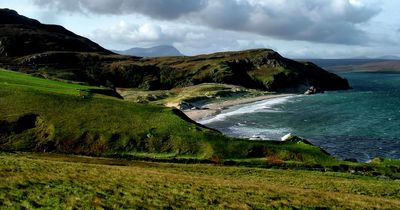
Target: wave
{"points": [[260, 106], [259, 133]]}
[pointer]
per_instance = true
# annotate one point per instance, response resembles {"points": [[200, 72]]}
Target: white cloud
{"points": [[328, 21], [195, 36], [145, 34]]}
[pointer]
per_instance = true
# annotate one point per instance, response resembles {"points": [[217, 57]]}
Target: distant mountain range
{"points": [[384, 57], [383, 64], [389, 57], [156, 51]]}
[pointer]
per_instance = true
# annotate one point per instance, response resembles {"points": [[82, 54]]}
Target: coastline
{"points": [[212, 109]]}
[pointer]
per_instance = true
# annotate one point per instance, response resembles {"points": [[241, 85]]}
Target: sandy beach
{"points": [[212, 109]]}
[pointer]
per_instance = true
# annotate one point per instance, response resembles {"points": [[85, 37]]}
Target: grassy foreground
{"points": [[74, 182]]}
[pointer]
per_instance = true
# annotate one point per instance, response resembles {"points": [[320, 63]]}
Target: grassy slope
{"points": [[16, 80], [64, 121], [205, 92], [94, 120], [53, 181]]}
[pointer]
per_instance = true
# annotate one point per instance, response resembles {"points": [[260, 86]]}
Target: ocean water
{"points": [[362, 123]]}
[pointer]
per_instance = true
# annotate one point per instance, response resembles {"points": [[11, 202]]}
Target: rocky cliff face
{"points": [[52, 51]]}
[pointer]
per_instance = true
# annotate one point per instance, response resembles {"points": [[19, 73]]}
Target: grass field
{"points": [[39, 116], [29, 181]]}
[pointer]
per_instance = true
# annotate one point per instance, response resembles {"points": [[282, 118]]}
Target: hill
{"points": [[156, 51], [388, 57], [20, 36], [54, 52], [262, 69]]}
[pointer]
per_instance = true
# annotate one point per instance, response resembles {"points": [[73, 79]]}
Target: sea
{"points": [[360, 124]]}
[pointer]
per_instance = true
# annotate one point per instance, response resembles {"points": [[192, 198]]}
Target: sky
{"points": [[294, 28]]}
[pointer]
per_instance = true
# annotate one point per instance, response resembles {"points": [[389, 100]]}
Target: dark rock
{"points": [[26, 122], [313, 90], [185, 106]]}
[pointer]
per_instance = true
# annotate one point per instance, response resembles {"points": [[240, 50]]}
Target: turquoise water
{"points": [[361, 123]]}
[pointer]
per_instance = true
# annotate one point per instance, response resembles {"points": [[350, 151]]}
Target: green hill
{"points": [[262, 69], [42, 115]]}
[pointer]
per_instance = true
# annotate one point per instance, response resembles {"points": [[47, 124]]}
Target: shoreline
{"points": [[213, 109]]}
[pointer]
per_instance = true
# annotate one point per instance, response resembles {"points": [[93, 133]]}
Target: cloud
{"points": [[328, 21], [128, 35], [159, 9], [333, 21]]}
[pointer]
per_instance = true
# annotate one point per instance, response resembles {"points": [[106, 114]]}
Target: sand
{"points": [[213, 109]]}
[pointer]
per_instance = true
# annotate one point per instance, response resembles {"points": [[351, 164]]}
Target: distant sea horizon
{"points": [[360, 124]]}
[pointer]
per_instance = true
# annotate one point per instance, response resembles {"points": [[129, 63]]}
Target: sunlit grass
{"points": [[17, 80], [55, 181]]}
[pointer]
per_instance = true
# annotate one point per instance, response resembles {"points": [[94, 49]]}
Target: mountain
{"points": [[328, 63], [384, 57], [21, 36], [51, 51], [157, 51], [389, 57], [261, 69], [350, 65]]}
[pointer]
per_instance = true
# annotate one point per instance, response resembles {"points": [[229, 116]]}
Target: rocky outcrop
{"points": [[313, 90], [298, 140]]}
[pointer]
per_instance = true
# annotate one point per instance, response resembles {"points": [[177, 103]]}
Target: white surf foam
{"points": [[260, 106], [259, 133]]}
